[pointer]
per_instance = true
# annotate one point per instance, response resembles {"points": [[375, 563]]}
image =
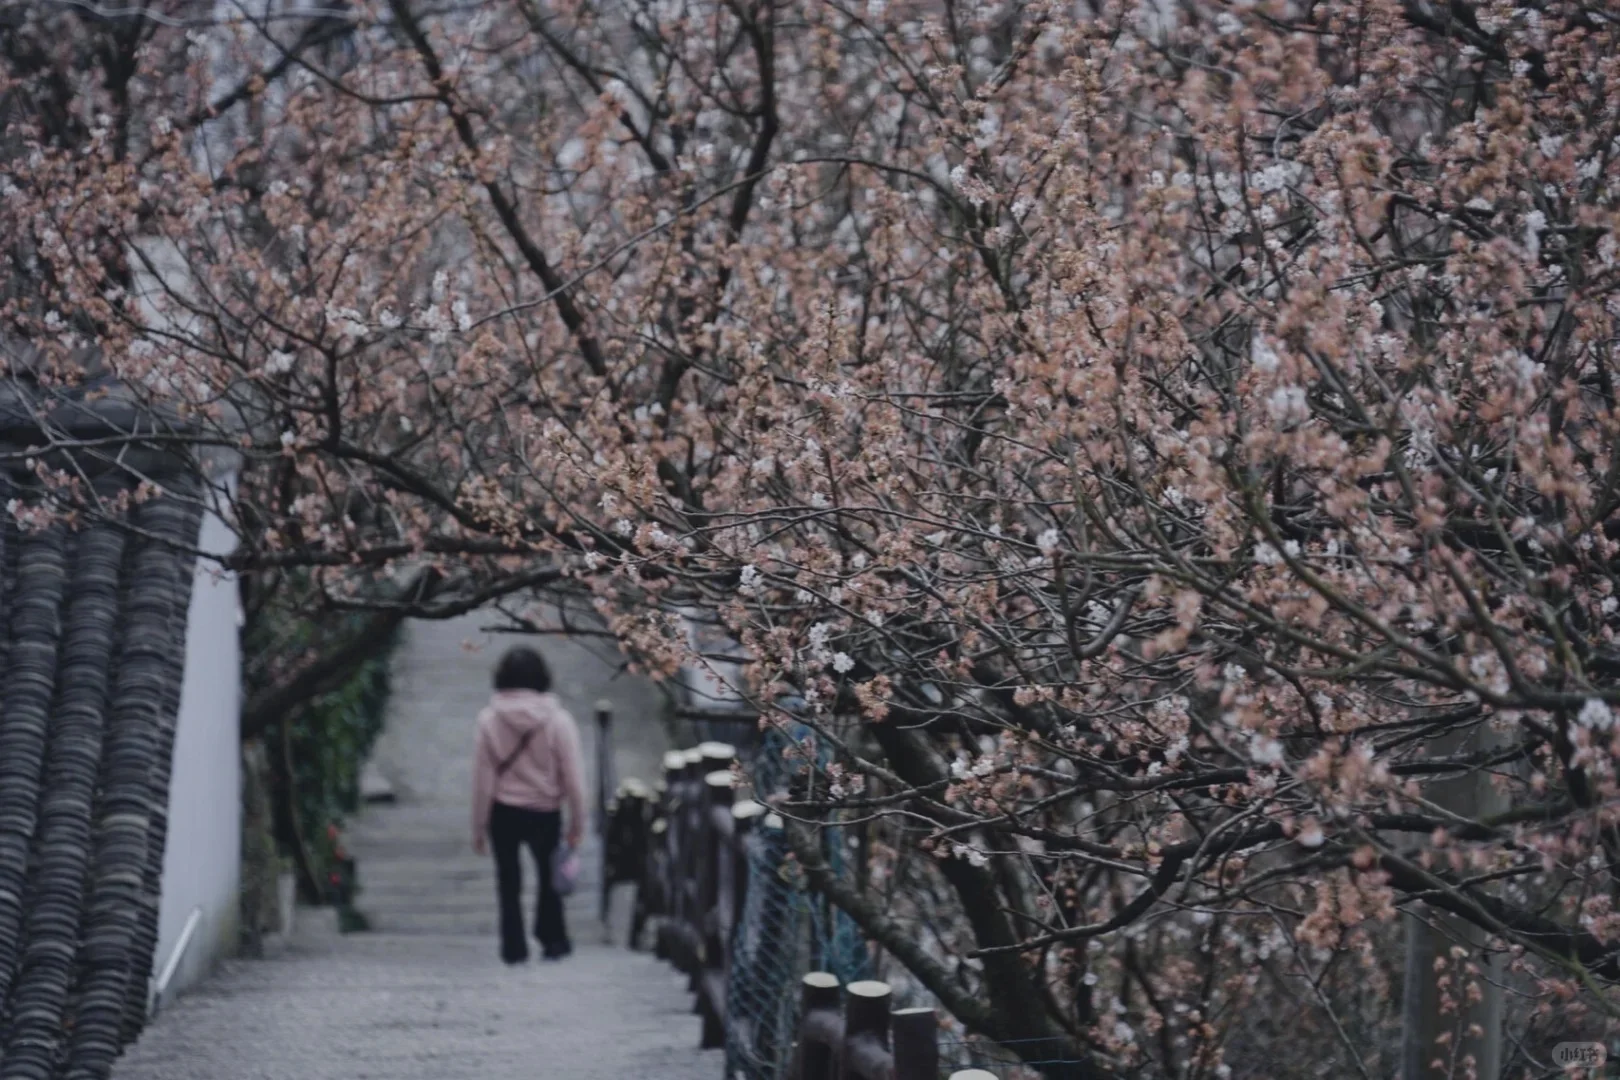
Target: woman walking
{"points": [[527, 769]]}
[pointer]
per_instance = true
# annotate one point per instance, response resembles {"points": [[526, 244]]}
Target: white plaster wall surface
{"points": [[202, 862]]}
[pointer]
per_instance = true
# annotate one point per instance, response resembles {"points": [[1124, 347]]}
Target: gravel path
{"points": [[423, 996]]}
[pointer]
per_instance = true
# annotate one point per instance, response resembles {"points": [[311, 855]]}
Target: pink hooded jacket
{"points": [[547, 775]]}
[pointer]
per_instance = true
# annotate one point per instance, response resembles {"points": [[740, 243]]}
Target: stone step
{"points": [[423, 995], [374, 786]]}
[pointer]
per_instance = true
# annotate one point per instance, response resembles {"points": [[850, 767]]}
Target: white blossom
{"points": [[1534, 222], [1525, 370], [974, 856], [347, 321], [1263, 356], [1595, 715], [818, 640], [1273, 177], [1265, 750], [1287, 405]]}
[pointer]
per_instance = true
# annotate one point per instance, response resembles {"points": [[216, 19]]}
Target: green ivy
{"points": [[328, 742]]}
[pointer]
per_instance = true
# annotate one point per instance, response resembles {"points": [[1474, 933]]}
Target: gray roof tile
{"points": [[92, 649]]}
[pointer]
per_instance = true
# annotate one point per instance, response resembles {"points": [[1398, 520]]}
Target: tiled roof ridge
{"points": [[98, 430]]}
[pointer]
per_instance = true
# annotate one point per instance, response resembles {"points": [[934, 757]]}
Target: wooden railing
{"points": [[604, 784], [704, 866], [862, 1038], [688, 845]]}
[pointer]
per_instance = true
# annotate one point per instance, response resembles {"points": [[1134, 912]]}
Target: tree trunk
{"points": [[1437, 1002]]}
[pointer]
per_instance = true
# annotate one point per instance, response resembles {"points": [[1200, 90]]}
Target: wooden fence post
{"points": [[663, 844], [708, 978], [916, 1044], [605, 782], [697, 843], [674, 762], [687, 827], [650, 892], [821, 1028], [716, 755], [677, 765], [718, 795], [624, 847], [604, 785], [866, 1032]]}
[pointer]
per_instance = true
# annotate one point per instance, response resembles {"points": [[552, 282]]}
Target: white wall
{"points": [[202, 864]]}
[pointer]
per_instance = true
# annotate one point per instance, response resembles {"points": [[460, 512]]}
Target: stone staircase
{"points": [[423, 995]]}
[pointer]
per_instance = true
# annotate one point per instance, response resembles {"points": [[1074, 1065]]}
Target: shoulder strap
{"points": [[517, 751]]}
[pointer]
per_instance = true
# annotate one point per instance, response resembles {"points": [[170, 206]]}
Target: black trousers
{"points": [[511, 828]]}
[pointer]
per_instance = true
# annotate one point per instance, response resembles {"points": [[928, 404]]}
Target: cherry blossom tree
{"points": [[1165, 450]]}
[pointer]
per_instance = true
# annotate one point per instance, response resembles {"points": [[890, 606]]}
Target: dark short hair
{"points": [[522, 669]]}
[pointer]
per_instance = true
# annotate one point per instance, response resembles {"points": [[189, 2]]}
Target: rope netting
{"points": [[1015, 1059], [785, 930]]}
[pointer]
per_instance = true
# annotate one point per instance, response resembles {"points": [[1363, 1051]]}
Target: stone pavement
{"points": [[423, 996]]}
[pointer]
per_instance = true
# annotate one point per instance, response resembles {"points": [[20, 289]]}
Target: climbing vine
{"points": [[315, 747], [316, 760]]}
